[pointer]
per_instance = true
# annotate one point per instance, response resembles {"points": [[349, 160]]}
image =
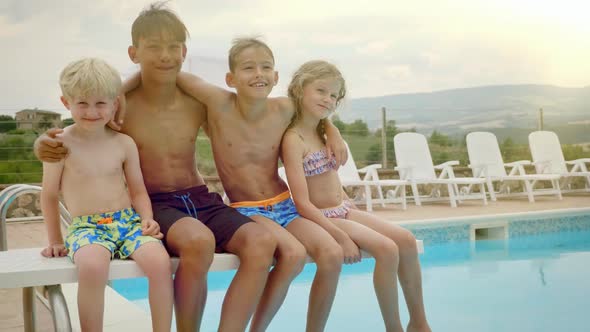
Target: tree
{"points": [[339, 124], [7, 123], [390, 132], [439, 139], [508, 149], [67, 122], [358, 128], [374, 154]]}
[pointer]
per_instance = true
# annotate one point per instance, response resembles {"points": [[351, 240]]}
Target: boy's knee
{"points": [[199, 243], [258, 248], [197, 251], [93, 271], [159, 265], [266, 241], [261, 242], [331, 256], [294, 258]]}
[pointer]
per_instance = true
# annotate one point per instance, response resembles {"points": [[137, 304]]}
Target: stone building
{"points": [[36, 119]]}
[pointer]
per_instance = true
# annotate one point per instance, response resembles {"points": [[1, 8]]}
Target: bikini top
{"points": [[317, 162]]}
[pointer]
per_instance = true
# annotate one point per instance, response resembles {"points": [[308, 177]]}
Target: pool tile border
{"points": [[448, 230]]}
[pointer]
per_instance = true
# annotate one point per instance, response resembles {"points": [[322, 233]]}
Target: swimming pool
{"points": [[536, 280]]}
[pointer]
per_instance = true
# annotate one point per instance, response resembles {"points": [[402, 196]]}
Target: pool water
{"points": [[531, 283]]}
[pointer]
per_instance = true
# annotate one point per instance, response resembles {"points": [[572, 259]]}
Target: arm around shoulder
{"points": [[48, 148], [200, 89], [335, 143]]}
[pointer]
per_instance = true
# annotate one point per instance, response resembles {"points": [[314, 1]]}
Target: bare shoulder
{"points": [[284, 103], [191, 103], [223, 100], [67, 137], [67, 133], [122, 139], [292, 140]]}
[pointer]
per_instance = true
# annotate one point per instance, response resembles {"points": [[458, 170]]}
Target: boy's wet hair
{"points": [[242, 43], [157, 20], [89, 77]]}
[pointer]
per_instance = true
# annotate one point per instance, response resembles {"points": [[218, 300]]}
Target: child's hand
{"points": [[352, 253], [337, 147], [150, 227], [117, 121], [49, 148], [55, 250]]}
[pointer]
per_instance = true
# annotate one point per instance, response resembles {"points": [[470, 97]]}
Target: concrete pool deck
{"points": [[32, 234]]}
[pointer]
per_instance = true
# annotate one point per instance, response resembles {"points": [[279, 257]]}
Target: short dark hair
{"points": [[242, 43], [155, 20]]}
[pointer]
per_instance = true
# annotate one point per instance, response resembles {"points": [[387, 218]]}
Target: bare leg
{"points": [[290, 255], [255, 247], [328, 256], [154, 261], [92, 262], [410, 275], [386, 255], [194, 244]]}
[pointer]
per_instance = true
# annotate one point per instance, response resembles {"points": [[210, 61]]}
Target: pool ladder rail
{"points": [[51, 295]]}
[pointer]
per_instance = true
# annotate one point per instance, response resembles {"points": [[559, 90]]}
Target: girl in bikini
{"points": [[317, 88]]}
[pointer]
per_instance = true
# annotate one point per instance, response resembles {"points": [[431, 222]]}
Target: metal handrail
{"points": [[57, 303]]}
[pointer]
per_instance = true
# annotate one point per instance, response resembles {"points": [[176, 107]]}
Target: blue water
{"points": [[535, 283]]}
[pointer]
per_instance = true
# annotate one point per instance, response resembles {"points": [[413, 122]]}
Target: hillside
{"points": [[468, 109]]}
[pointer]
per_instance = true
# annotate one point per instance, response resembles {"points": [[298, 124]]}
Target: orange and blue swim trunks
{"points": [[280, 208]]}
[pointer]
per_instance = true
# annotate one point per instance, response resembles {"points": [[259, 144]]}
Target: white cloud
{"points": [[375, 48], [382, 46]]}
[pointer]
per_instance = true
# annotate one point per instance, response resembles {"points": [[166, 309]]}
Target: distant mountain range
{"points": [[468, 109]]}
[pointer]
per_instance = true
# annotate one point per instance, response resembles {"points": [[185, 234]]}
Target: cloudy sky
{"points": [[381, 46]]}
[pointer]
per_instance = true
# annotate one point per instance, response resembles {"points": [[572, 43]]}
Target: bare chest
{"points": [[247, 141], [92, 162], [169, 130]]}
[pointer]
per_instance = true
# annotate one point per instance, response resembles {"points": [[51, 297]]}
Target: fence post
{"points": [[540, 124], [383, 138]]}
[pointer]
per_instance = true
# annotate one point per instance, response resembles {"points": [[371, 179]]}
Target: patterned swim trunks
{"points": [[280, 208], [119, 232]]}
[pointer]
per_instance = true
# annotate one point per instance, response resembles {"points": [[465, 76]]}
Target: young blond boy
{"points": [[164, 122], [102, 187], [245, 129]]}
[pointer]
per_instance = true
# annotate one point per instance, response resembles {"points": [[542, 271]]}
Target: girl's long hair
{"points": [[306, 74]]}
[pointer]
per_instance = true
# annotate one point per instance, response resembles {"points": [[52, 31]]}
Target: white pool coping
{"points": [[494, 217]]}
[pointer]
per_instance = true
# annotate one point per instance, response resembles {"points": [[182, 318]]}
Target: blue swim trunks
{"points": [[280, 208], [119, 232]]}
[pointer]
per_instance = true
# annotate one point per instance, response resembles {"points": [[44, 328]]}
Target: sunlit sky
{"points": [[382, 46]]}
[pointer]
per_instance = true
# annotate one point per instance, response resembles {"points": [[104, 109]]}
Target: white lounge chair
{"points": [[414, 163], [548, 158], [350, 177], [486, 162]]}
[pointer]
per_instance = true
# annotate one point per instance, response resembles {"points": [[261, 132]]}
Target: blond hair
{"points": [[242, 43], [158, 20], [306, 74], [89, 77]]}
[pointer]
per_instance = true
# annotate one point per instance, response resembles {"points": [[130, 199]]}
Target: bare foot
{"points": [[423, 327]]}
